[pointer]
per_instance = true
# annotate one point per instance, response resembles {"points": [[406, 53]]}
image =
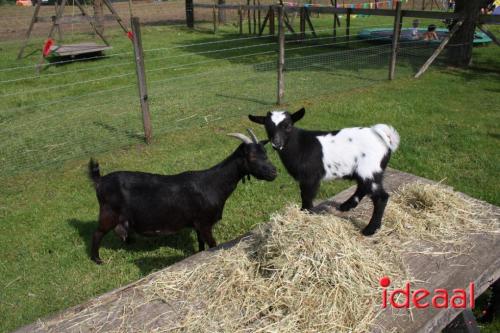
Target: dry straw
{"points": [[315, 273]]}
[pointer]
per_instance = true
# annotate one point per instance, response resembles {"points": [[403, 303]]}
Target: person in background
{"points": [[414, 29], [430, 34]]}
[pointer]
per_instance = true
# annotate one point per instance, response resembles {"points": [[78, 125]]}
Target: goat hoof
{"points": [[368, 231], [97, 261], [344, 208]]}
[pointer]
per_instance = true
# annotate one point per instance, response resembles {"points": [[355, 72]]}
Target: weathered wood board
{"points": [[127, 309], [77, 49]]}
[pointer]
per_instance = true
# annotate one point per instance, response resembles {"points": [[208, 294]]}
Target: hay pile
{"points": [[310, 273]]}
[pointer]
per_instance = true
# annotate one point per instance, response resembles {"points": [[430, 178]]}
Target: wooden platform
{"points": [[72, 50], [481, 265]]}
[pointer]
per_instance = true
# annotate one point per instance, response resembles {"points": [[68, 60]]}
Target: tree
{"points": [[460, 47]]}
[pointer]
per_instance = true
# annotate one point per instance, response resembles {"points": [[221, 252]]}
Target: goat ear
{"points": [[298, 115], [257, 119], [264, 142]]}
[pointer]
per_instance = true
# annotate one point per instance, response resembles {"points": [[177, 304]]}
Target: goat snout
{"points": [[277, 143]]}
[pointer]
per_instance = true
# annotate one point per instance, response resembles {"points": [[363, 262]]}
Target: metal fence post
{"points": [[141, 78], [281, 56]]}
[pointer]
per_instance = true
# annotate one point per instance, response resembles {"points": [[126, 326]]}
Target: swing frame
{"points": [[58, 19]]}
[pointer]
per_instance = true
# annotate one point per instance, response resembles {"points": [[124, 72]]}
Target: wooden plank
{"points": [[481, 264], [78, 49], [438, 50], [141, 78]]}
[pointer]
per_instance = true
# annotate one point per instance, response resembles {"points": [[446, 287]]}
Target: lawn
{"points": [[448, 121]]}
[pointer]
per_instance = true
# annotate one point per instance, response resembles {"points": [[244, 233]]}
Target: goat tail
{"points": [[388, 134], [94, 171]]}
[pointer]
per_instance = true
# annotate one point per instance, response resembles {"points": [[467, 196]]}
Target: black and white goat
{"points": [[151, 204], [359, 154]]}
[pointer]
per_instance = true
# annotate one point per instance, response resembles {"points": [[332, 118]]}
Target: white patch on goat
{"points": [[374, 187], [277, 117], [352, 150]]}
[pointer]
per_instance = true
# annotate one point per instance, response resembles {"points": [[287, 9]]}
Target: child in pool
{"points": [[430, 34], [414, 29]]}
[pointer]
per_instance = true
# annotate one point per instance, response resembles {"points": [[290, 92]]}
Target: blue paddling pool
{"points": [[384, 35]]}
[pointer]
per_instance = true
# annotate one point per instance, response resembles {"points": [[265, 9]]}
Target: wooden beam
{"points": [[115, 14], [438, 50], [92, 24], [272, 26], [30, 28], [309, 23], [263, 26], [489, 34], [363, 11]]}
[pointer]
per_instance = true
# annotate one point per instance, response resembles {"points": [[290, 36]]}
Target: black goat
{"points": [[151, 204], [359, 154]]}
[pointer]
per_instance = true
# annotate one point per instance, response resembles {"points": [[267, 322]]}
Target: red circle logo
{"points": [[385, 281]]}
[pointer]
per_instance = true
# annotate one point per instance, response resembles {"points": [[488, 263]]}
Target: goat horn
{"points": [[241, 137], [253, 136]]}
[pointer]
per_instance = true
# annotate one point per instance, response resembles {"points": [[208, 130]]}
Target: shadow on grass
{"points": [[150, 264], [182, 241]]}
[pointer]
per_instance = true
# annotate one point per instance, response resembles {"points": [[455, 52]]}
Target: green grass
{"points": [[448, 121]]}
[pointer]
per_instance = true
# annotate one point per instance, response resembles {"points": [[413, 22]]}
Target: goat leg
{"points": [[308, 191], [354, 200], [379, 200], [201, 243]]}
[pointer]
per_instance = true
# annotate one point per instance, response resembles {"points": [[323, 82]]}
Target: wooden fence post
{"points": [[249, 18], [271, 20], [254, 18], [335, 22], [302, 23], [214, 16], [281, 56], [189, 14], [395, 40], [259, 14], [348, 24], [141, 78], [240, 15]]}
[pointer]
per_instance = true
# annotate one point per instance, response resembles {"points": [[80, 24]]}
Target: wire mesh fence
{"points": [[74, 109]]}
